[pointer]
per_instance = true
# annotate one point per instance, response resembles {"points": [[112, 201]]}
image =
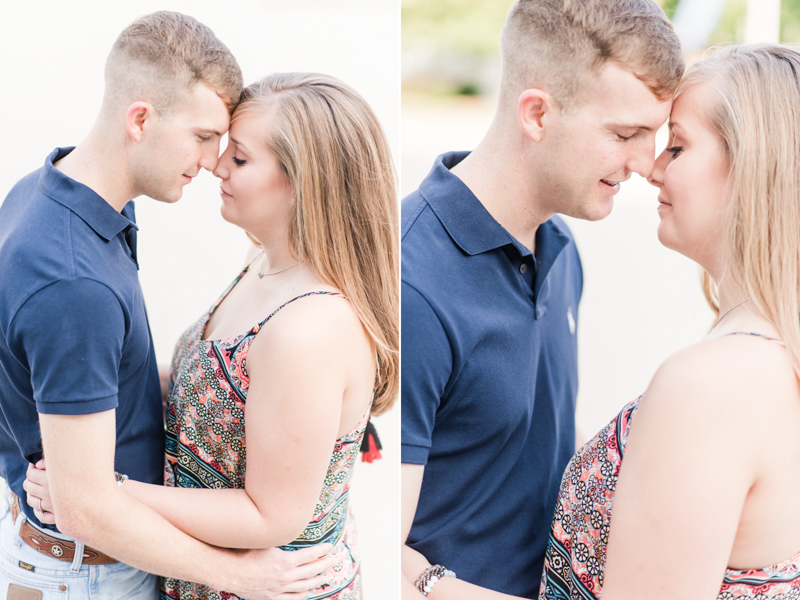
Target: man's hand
{"points": [[274, 574]]}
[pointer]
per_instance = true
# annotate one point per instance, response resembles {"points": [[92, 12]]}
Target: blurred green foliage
{"points": [[669, 6], [473, 26]]}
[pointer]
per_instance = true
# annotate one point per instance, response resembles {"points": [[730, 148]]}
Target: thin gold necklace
{"points": [[262, 274]]}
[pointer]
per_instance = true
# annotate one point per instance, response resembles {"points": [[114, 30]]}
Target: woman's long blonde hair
{"points": [[757, 116], [333, 152]]}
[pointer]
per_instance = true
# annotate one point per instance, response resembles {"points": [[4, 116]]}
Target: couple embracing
{"points": [[269, 393], [704, 502]]}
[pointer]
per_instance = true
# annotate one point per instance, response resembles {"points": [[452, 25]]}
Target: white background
{"points": [[51, 65]]}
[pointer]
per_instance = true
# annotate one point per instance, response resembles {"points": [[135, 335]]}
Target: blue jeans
{"points": [[59, 580]]}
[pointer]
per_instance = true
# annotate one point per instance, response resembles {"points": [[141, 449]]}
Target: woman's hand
{"points": [[38, 493]]}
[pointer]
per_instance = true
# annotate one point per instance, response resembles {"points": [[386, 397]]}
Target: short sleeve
{"points": [[70, 334], [427, 363]]}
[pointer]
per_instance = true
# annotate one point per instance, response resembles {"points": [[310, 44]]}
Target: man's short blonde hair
{"points": [[160, 56], [556, 44]]}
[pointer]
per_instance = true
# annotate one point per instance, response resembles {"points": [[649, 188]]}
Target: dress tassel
{"points": [[371, 444]]}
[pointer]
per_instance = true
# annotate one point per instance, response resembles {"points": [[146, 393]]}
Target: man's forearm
{"points": [[124, 528], [89, 506]]}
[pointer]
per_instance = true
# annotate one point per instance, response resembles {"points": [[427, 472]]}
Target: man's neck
{"points": [[98, 164], [497, 174]]}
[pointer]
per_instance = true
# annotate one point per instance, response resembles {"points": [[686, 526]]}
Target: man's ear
{"points": [[136, 118], [534, 106]]}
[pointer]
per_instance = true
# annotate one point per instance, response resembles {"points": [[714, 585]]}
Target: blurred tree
{"points": [[469, 26], [790, 21], [468, 31], [669, 6]]}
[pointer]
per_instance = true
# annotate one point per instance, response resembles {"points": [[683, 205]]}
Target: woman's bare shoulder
{"points": [[728, 374], [316, 324]]}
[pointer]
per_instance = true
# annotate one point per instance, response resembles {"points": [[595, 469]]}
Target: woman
{"points": [[308, 175], [704, 504]]}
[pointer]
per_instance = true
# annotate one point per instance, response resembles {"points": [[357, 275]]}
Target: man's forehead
{"points": [[618, 97], [202, 102]]}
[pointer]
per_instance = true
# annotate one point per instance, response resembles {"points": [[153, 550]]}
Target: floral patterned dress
{"points": [[576, 553], [205, 448]]}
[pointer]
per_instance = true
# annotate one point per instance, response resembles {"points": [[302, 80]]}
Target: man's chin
{"points": [[595, 212], [169, 198]]}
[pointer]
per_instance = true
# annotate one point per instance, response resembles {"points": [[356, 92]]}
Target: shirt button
{"points": [[522, 268]]}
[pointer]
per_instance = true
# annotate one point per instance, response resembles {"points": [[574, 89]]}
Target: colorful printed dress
{"points": [[576, 553], [205, 448]]}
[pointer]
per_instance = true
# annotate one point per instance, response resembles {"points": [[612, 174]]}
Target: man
{"points": [[492, 280], [78, 378]]}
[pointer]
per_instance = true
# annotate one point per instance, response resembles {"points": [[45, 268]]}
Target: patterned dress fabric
{"points": [[576, 552], [205, 448]]}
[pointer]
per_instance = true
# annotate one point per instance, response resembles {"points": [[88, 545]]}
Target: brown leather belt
{"points": [[55, 547]]}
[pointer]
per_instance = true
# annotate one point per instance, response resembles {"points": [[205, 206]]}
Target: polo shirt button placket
{"points": [[522, 268]]}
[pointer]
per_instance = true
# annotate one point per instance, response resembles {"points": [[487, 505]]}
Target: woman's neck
{"points": [[276, 254]]}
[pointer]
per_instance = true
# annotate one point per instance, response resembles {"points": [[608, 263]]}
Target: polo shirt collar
{"points": [[551, 239], [466, 220], [471, 226], [80, 199]]}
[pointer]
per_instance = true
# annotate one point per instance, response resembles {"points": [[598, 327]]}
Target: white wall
{"points": [[51, 64]]}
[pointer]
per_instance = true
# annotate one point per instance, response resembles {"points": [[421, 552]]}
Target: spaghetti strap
{"points": [[761, 335], [260, 325]]}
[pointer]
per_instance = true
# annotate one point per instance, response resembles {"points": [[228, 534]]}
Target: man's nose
{"points": [[656, 177], [642, 158], [209, 158]]}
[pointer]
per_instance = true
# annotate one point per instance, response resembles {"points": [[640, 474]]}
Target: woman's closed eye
{"points": [[675, 150], [238, 161]]}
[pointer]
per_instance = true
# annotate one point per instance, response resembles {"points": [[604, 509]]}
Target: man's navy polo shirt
{"points": [[74, 337], [489, 379]]}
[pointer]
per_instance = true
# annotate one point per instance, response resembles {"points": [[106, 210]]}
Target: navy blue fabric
{"points": [[74, 336], [489, 380]]}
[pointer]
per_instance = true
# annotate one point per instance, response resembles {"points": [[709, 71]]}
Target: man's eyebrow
{"points": [[631, 126], [209, 132]]}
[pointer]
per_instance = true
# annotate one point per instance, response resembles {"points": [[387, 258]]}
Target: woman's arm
{"points": [[299, 367], [690, 462]]}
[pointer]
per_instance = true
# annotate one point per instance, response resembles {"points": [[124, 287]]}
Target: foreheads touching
{"points": [[162, 57], [556, 45]]}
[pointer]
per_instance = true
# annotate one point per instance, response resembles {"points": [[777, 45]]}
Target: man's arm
{"points": [[414, 563], [410, 484], [90, 507]]}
